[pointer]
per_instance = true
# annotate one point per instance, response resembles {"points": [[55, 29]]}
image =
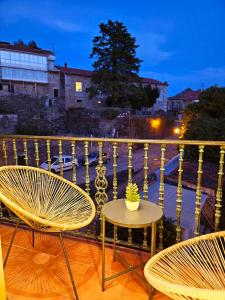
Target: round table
{"points": [[116, 213]]}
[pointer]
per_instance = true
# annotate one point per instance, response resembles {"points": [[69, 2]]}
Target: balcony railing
{"points": [[107, 182]]}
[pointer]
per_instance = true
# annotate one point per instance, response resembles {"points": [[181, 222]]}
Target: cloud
{"points": [[62, 25], [14, 11], [151, 48]]}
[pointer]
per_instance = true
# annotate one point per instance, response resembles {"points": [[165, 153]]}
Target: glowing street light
{"points": [[176, 130], [155, 123]]}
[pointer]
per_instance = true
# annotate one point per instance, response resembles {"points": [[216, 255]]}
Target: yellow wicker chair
{"points": [[2, 281], [46, 202], [193, 269]]}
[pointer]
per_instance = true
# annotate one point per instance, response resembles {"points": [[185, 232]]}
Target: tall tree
{"points": [[116, 65], [152, 93], [205, 120], [32, 44]]}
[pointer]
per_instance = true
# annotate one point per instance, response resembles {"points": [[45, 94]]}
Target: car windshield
{"points": [[53, 159], [92, 155]]}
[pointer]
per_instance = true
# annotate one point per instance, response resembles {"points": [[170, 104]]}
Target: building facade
{"points": [[177, 103], [32, 71], [29, 71], [76, 82]]}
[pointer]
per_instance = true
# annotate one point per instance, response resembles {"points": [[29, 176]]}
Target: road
{"points": [[122, 162]]}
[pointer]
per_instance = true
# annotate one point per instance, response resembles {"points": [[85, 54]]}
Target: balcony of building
{"points": [[40, 271]]}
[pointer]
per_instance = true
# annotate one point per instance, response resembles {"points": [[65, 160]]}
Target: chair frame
{"points": [[45, 222], [187, 291]]}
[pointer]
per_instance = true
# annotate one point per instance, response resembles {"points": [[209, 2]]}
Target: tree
{"points": [[32, 44], [205, 120], [21, 43], [152, 93], [116, 65]]}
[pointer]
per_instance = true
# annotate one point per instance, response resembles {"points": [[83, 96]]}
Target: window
{"points": [[55, 93], [24, 60], [78, 86], [79, 100], [25, 75], [67, 160]]}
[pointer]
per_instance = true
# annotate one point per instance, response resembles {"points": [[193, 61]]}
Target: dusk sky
{"points": [[181, 42]]}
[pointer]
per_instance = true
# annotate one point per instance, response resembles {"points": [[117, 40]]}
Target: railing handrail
{"points": [[116, 140]]}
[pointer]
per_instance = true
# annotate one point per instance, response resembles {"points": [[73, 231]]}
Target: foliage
{"points": [[33, 128], [116, 65], [132, 194], [32, 44], [21, 43], [205, 120], [109, 114], [152, 93]]}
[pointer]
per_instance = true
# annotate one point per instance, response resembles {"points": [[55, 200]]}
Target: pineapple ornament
{"points": [[132, 197]]}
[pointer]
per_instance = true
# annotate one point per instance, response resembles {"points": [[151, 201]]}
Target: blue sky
{"points": [[181, 42]]}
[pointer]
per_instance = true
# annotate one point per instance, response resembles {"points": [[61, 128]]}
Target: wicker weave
{"points": [[193, 269], [43, 200]]}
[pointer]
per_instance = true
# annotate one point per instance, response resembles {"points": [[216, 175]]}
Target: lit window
{"points": [[78, 86]]}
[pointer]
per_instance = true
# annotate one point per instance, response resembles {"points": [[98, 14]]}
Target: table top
{"points": [[117, 213]]}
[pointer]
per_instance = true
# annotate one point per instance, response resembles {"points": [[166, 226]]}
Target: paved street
{"points": [[137, 162], [170, 197]]}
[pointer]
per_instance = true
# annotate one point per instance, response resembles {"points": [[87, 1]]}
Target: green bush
{"points": [[109, 114]]}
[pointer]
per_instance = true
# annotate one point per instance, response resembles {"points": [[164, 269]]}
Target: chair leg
{"points": [[11, 242], [68, 266]]}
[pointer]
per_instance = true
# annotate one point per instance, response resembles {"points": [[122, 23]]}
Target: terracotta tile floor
{"points": [[40, 272]]}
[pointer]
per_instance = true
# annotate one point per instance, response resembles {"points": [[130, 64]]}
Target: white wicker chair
{"points": [[46, 202], [193, 269]]}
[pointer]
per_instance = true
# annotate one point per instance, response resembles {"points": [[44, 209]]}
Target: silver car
{"points": [[55, 164]]}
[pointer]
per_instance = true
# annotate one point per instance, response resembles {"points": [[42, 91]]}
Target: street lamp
{"points": [[176, 130], [155, 123]]}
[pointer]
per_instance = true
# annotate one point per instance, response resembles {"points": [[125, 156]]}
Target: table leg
{"points": [[153, 242], [153, 239], [103, 252], [114, 242]]}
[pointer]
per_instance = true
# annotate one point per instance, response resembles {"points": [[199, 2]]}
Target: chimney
{"points": [[65, 65]]}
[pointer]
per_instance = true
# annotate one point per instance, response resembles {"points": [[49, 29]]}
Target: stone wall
{"points": [[34, 115], [8, 124]]}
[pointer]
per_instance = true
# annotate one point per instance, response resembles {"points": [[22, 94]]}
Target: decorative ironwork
{"points": [[87, 177], [219, 189], [130, 168], [12, 144], [4, 147], [101, 182], [145, 187], [74, 177], [36, 153], [48, 146], [179, 194], [115, 171], [25, 152], [198, 191], [161, 193], [60, 157], [15, 156]]}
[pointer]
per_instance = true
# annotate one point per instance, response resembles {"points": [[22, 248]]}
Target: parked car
{"points": [[93, 158], [55, 164]]}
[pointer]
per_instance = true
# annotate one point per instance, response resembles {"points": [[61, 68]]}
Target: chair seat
{"points": [[43, 200], [193, 269]]}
